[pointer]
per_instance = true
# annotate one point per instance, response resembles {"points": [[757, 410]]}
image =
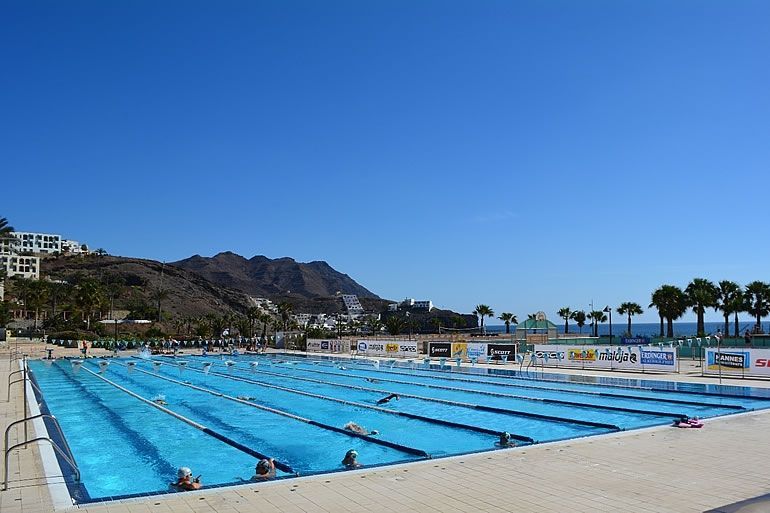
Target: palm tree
{"points": [[253, 314], [629, 309], [88, 295], [729, 300], [671, 304], [758, 301], [508, 318], [700, 294], [159, 295], [566, 314], [596, 317], [579, 317], [57, 291], [394, 324], [5, 228], [436, 323], [5, 232], [374, 325], [37, 298], [284, 310], [483, 311], [100, 252]]}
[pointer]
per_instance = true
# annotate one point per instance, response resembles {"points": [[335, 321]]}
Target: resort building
{"points": [[36, 243], [17, 265], [73, 247], [411, 304], [353, 305]]}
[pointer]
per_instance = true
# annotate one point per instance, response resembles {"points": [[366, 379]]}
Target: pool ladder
{"points": [[66, 456]]}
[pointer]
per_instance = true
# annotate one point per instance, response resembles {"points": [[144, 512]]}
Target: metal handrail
{"points": [[39, 439], [39, 416], [8, 395]]}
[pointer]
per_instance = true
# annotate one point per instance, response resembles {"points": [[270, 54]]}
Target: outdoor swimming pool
{"points": [[222, 413]]}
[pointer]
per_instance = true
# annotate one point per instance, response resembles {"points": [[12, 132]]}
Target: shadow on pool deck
{"points": [[759, 504]]}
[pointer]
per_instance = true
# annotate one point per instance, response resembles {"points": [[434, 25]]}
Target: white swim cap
{"points": [[184, 472], [352, 454]]}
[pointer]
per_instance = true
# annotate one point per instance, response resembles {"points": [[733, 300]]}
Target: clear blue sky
{"points": [[524, 154]]}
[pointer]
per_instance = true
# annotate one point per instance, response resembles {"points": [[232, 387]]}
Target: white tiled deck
{"points": [[652, 470]]}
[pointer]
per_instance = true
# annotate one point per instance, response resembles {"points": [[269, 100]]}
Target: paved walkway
{"points": [[645, 471]]}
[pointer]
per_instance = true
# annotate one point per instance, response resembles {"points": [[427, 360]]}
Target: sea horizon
{"points": [[648, 329]]}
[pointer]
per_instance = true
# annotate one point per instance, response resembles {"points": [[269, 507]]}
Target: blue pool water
{"points": [[293, 409]]}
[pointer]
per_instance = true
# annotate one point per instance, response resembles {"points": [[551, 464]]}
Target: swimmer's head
{"points": [[183, 472], [352, 454], [505, 437], [263, 467]]}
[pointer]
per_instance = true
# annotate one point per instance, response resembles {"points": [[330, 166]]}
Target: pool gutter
{"points": [[52, 471]]}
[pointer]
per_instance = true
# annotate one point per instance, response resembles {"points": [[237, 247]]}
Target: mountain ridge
{"points": [[261, 276]]}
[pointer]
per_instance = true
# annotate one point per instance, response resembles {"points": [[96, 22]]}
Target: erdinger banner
{"points": [[406, 348], [746, 362], [607, 357]]}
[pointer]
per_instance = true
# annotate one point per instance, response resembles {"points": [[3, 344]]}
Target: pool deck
{"points": [[659, 469]]}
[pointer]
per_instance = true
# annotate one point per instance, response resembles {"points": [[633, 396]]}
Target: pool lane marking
{"points": [[464, 390], [519, 413], [532, 387], [137, 440], [392, 445], [478, 429], [518, 377], [279, 465]]}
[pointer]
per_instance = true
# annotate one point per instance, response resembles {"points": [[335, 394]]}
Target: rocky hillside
{"points": [[186, 293], [260, 276]]}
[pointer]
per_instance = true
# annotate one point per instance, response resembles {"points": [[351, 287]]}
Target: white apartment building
{"points": [[37, 243], [352, 304], [423, 305], [24, 266], [412, 303], [72, 247]]}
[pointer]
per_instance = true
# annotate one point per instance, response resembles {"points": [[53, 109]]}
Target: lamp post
{"points": [[609, 310]]}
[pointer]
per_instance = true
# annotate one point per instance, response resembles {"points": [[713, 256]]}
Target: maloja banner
{"points": [[393, 348], [746, 362], [607, 357]]}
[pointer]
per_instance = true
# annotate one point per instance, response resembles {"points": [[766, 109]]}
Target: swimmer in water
{"points": [[350, 460], [246, 398], [185, 480], [505, 440], [161, 400], [372, 380], [355, 428], [388, 398], [264, 470]]}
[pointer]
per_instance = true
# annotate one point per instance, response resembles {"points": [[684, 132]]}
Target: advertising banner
{"points": [[328, 346], [497, 351], [476, 350], [607, 357], [389, 348], [637, 341], [747, 362], [459, 349], [440, 349]]}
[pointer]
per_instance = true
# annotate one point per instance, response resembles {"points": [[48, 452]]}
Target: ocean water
{"points": [[646, 329]]}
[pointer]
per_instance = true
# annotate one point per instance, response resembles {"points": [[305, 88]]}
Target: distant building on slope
{"points": [[411, 304], [353, 305]]}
